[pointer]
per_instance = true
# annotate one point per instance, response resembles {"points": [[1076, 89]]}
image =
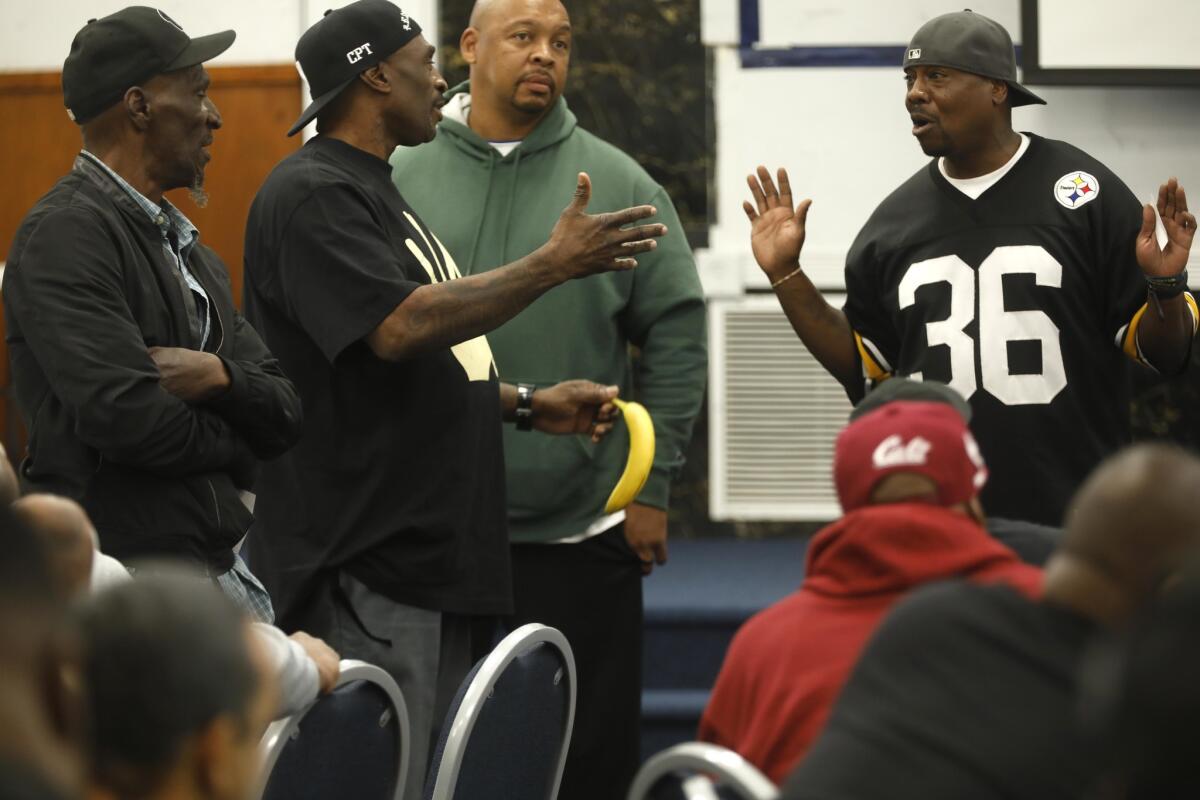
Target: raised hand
{"points": [[1181, 229], [776, 229], [583, 244]]}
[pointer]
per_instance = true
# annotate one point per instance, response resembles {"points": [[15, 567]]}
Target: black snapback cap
{"points": [[972, 43], [110, 54], [345, 42]]}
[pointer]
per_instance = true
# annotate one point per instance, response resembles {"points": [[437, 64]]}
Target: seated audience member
{"points": [[1033, 542], [179, 691], [1141, 695], [971, 691], [303, 665], [908, 477], [39, 753]]}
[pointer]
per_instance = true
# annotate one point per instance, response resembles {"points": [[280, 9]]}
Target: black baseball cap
{"points": [[110, 54], [343, 43], [899, 388], [972, 43]]}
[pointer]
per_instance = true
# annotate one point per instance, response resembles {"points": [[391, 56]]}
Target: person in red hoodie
{"points": [[908, 477]]}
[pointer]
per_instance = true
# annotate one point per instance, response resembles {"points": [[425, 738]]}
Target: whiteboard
{"points": [[819, 23], [1118, 34]]}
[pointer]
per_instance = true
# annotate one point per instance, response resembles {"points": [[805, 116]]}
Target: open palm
{"points": [[776, 229], [1180, 226]]}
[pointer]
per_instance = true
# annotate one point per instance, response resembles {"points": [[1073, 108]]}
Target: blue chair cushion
{"points": [[514, 749], [345, 746]]}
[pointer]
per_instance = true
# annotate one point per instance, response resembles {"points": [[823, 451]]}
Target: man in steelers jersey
{"points": [[1019, 270]]}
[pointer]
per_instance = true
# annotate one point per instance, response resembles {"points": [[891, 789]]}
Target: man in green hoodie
{"points": [[489, 186]]}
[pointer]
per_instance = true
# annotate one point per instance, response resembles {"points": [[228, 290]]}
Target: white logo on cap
{"points": [[973, 453], [356, 55], [893, 452], [914, 53], [165, 18], [404, 20]]}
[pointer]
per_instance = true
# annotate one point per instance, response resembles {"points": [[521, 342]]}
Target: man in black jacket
{"points": [[146, 394]]}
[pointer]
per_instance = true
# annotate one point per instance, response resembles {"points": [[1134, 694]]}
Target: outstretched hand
{"points": [[1181, 229], [583, 244], [776, 229], [575, 407]]}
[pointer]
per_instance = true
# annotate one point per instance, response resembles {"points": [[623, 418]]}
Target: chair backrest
{"points": [[352, 742], [698, 771], [506, 733]]}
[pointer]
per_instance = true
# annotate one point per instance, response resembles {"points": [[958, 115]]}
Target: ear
{"points": [[999, 93], [467, 44], [375, 79], [214, 750], [137, 105]]}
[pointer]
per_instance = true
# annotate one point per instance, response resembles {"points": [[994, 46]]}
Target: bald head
{"points": [[1134, 520], [67, 534], [485, 12], [519, 52]]}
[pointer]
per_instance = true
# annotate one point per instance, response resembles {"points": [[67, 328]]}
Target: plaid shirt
{"points": [[179, 235]]}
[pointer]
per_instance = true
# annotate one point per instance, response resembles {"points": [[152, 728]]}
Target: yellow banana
{"points": [[641, 456]]}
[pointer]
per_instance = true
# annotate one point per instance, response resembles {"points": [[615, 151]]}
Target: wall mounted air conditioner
{"points": [[774, 413]]}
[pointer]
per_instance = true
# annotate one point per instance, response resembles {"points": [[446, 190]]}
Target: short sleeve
{"points": [[1117, 220], [875, 336], [339, 275]]}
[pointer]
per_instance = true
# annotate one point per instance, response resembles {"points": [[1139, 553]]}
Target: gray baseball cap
{"points": [[899, 388], [972, 43]]}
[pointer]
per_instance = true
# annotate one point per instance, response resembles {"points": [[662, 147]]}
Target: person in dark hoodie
{"points": [[908, 476], [974, 691], [148, 398], [505, 153]]}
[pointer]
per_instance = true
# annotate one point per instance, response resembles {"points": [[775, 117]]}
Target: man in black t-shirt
{"points": [[383, 531], [970, 691], [1014, 268]]}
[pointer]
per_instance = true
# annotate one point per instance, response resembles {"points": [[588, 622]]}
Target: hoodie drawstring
{"points": [[508, 207], [487, 196]]}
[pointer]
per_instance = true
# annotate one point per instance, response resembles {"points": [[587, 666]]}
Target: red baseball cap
{"points": [[924, 438]]}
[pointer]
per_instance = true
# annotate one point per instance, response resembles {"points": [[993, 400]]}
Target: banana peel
{"points": [[641, 456]]}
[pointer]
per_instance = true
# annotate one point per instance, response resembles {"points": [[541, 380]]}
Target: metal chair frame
{"points": [[510, 648], [706, 759], [281, 731]]}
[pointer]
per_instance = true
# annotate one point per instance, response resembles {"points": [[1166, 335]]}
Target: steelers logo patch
{"points": [[1076, 189]]}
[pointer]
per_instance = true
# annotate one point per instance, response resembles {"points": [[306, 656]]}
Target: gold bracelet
{"points": [[791, 274]]}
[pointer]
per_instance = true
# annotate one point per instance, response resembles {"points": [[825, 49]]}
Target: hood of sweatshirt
{"points": [[557, 125], [891, 548]]}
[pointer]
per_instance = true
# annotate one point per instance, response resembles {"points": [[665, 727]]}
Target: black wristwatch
{"points": [[525, 406]]}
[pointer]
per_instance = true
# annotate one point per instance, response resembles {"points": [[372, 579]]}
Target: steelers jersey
{"points": [[1026, 300]]}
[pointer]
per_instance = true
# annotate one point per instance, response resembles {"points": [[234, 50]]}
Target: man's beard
{"points": [[196, 189]]}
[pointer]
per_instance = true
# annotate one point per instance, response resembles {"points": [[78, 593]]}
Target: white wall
{"points": [[36, 36], [845, 137]]}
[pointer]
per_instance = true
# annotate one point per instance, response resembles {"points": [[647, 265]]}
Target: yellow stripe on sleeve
{"points": [[1129, 346], [872, 370]]}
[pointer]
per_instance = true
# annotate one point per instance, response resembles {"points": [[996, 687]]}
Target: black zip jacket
{"points": [[88, 289]]}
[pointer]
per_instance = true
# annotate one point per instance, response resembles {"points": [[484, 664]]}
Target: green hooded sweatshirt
{"points": [[491, 210]]}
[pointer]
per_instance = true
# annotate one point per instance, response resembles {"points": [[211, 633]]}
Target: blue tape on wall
{"points": [[888, 55], [867, 56]]}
